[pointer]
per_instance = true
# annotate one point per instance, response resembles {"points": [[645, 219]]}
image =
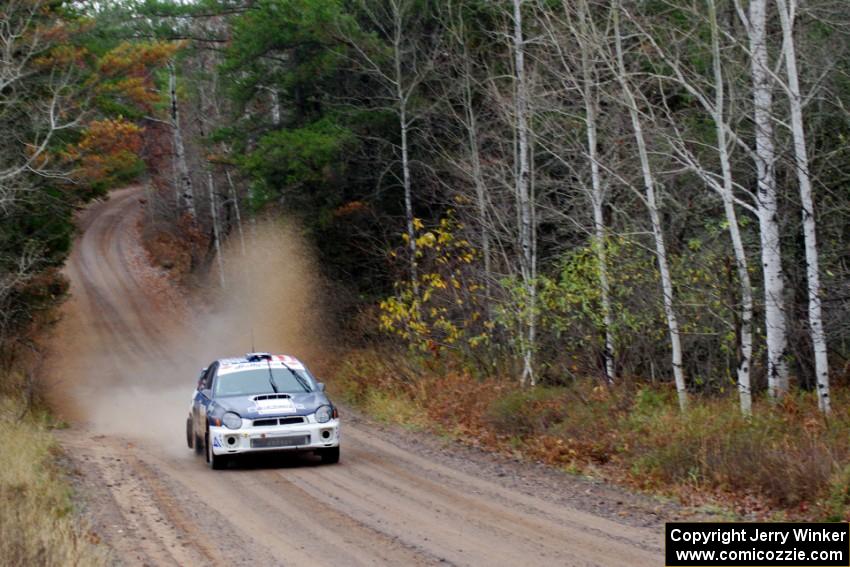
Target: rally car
{"points": [[257, 403]]}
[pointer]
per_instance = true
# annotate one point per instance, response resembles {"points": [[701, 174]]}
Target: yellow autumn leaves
{"points": [[444, 312]]}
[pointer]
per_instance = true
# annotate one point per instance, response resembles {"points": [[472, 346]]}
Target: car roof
{"points": [[258, 360]]}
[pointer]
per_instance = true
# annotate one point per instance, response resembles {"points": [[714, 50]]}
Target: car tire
{"points": [[216, 462], [330, 456], [190, 434]]}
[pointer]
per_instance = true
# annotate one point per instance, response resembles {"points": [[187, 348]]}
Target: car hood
{"points": [[260, 406]]}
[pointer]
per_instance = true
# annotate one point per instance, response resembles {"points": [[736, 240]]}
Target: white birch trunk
{"points": [[596, 196], [765, 159], [175, 175], [652, 206], [185, 191], [216, 228], [786, 17], [235, 198], [523, 176], [275, 106], [728, 196], [405, 157]]}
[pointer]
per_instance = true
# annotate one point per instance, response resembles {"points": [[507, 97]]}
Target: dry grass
{"points": [[38, 525], [786, 459]]}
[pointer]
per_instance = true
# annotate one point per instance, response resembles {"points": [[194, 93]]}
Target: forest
{"points": [[612, 233]]}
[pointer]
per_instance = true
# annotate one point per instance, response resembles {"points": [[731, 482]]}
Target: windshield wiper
{"points": [[301, 381], [271, 376]]}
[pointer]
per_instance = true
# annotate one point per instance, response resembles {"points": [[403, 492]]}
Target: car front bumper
{"points": [[300, 437]]}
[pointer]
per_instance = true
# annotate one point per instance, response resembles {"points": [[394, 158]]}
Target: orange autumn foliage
{"points": [[126, 70], [136, 58], [107, 152]]}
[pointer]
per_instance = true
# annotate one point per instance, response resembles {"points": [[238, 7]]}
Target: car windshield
{"points": [[258, 381]]}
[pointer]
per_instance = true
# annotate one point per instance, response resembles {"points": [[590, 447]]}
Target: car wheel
{"points": [[329, 456], [216, 462], [190, 434]]}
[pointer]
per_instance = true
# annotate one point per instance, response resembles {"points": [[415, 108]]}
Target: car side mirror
{"points": [[321, 386]]}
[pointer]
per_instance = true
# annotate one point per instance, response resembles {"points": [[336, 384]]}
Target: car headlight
{"points": [[231, 420], [323, 414]]}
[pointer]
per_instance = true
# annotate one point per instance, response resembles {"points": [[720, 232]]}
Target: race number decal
{"points": [[281, 405]]}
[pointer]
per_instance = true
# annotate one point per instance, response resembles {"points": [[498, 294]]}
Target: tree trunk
{"points": [[596, 196], [185, 191], [477, 177], [786, 17], [216, 228], [523, 176], [235, 198], [275, 103], [727, 193], [652, 205], [765, 159], [405, 158]]}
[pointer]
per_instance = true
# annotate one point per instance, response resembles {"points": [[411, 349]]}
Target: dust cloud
{"points": [[126, 363]]}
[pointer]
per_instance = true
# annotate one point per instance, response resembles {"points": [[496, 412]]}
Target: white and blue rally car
{"points": [[259, 403]]}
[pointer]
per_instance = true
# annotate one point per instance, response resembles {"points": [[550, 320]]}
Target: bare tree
{"points": [[234, 200], [787, 13], [525, 205], [41, 98], [755, 24], [184, 189], [409, 63], [586, 39], [652, 206], [456, 27], [712, 99], [580, 95], [726, 190], [23, 40], [216, 227]]}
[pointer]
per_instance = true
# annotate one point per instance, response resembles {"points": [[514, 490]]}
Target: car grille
{"points": [[277, 421], [290, 420], [280, 441]]}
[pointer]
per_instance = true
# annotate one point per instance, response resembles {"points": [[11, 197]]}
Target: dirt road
{"points": [[385, 503]]}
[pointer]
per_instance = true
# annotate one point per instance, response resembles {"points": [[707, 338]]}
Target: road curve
{"points": [[156, 503]]}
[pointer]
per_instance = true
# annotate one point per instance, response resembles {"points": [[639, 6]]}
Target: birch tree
{"points": [[400, 77], [755, 24], [652, 206], [528, 258], [589, 92], [234, 199], [582, 77], [468, 117], [184, 189], [787, 13], [712, 100], [726, 191], [216, 223]]}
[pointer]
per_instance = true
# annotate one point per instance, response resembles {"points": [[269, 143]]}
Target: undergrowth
{"points": [[38, 525], [786, 459]]}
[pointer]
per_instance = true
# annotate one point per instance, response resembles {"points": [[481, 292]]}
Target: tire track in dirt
{"points": [[157, 503]]}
